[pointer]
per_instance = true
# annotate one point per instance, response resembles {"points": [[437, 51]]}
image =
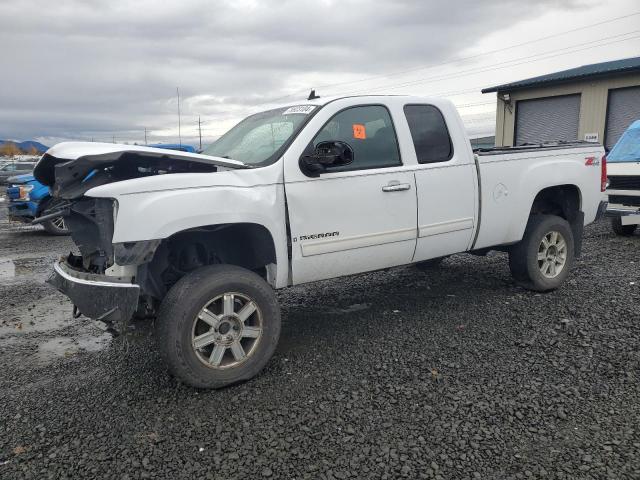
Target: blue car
{"points": [[174, 146], [29, 199]]}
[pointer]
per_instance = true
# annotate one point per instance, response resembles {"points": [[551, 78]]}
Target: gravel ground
{"points": [[452, 374]]}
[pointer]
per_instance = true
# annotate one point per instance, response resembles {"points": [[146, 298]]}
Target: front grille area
{"points": [[624, 182], [625, 200]]}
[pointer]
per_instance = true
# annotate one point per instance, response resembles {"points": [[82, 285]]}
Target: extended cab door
{"points": [[356, 217], [446, 180]]}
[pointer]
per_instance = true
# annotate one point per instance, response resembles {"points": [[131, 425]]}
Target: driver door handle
{"points": [[396, 187]]}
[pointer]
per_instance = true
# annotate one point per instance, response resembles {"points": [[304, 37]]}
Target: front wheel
{"points": [[217, 326], [620, 229], [542, 259]]}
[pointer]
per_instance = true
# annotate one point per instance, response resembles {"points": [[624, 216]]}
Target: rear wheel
{"points": [[542, 259], [620, 229], [217, 326]]}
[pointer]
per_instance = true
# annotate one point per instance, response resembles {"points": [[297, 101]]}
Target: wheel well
{"points": [[561, 200], [246, 245]]}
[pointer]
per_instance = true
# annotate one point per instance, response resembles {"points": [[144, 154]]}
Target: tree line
{"points": [[10, 149]]}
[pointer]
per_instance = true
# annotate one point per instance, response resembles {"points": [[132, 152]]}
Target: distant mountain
{"points": [[32, 143], [26, 145]]}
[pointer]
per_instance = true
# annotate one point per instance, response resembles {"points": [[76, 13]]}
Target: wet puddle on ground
{"points": [[7, 268], [21, 269], [57, 347], [50, 313], [50, 318]]}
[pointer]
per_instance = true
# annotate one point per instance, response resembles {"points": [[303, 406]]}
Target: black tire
{"points": [[55, 226], [431, 264], [525, 267], [620, 229], [185, 301]]}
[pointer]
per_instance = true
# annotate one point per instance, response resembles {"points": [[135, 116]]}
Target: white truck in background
{"points": [[305, 192], [623, 183]]}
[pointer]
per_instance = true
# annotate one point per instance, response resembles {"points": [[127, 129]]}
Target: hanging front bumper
{"points": [[100, 297]]}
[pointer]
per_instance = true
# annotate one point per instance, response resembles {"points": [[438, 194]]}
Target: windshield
{"points": [[258, 139], [628, 147]]}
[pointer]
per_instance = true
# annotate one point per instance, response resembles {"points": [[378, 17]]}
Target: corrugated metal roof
{"points": [[625, 65]]}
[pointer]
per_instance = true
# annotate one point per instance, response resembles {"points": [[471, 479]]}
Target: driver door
{"points": [[356, 217]]}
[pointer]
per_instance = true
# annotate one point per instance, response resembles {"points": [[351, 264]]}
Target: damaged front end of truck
{"points": [[102, 279]]}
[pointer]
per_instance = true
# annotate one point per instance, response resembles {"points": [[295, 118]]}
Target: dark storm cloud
{"points": [[80, 69]]}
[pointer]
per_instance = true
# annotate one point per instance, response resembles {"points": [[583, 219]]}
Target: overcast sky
{"points": [[99, 69]]}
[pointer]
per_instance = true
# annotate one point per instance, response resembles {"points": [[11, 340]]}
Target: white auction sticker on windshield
{"points": [[304, 109]]}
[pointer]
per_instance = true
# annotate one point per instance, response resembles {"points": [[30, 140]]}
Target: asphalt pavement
{"points": [[450, 374]]}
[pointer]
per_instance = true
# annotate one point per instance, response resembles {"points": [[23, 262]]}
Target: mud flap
{"points": [[577, 227]]}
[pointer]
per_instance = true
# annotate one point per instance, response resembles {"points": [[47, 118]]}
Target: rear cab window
{"points": [[369, 131], [429, 132]]}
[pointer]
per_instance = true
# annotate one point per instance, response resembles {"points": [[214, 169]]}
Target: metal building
{"points": [[593, 102]]}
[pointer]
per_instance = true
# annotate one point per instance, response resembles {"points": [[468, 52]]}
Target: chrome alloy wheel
{"points": [[227, 330], [58, 222], [552, 254]]}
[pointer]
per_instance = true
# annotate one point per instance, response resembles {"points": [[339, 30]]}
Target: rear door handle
{"points": [[396, 187]]}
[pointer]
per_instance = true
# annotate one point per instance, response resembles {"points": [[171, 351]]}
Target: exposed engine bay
{"points": [[91, 220], [72, 178]]}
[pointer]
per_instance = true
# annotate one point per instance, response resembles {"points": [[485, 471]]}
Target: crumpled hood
{"points": [[72, 168]]}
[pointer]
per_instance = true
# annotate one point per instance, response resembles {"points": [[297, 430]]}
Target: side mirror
{"points": [[326, 155]]}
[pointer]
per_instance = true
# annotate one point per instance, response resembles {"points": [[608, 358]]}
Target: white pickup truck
{"points": [[623, 187], [305, 192]]}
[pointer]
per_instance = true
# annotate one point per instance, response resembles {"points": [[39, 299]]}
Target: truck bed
{"points": [[512, 177]]}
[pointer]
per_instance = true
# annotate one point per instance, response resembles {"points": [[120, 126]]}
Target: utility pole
{"points": [[200, 132], [179, 133], [114, 139], [145, 135]]}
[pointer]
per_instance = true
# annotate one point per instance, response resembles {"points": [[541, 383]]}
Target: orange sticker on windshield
{"points": [[359, 131]]}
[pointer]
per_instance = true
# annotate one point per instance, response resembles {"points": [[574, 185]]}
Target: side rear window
{"points": [[429, 132], [370, 132]]}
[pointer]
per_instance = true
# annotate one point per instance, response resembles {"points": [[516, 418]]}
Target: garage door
{"points": [[623, 110], [547, 119]]}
